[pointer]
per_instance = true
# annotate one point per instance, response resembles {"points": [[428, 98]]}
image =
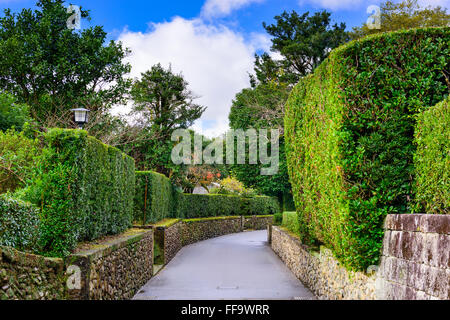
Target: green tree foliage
{"points": [[12, 114], [304, 41], [52, 68], [432, 159], [405, 15], [162, 103]]}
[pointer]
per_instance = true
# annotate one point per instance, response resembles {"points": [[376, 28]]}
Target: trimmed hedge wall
{"points": [[19, 224], [85, 190], [154, 198], [214, 205], [350, 128], [432, 159]]}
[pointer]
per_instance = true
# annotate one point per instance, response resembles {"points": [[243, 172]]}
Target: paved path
{"points": [[239, 266]]}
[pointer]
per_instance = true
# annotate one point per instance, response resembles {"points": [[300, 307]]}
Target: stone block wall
{"points": [[415, 263], [195, 230], [320, 271], [169, 239], [26, 276], [256, 222], [115, 270]]}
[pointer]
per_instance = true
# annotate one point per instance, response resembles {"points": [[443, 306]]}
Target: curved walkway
{"points": [[239, 266]]}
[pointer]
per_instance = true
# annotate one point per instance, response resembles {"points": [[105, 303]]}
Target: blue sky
{"points": [[212, 42]]}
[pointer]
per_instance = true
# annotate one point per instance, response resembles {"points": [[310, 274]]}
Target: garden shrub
{"points": [[349, 131], [215, 205], [18, 157], [154, 197], [278, 219], [19, 224], [85, 190], [290, 221], [432, 159]]}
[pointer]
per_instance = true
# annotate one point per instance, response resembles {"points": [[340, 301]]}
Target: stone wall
{"points": [[115, 270], [415, 262], [169, 239], [256, 222], [320, 271], [195, 230], [25, 276]]}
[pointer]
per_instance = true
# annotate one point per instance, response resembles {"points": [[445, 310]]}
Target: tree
{"points": [[53, 68], [304, 41], [405, 15], [162, 103]]}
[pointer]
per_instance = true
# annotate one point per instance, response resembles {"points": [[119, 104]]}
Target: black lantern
{"points": [[81, 116]]}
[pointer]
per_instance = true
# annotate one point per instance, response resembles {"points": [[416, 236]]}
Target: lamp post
{"points": [[81, 116]]}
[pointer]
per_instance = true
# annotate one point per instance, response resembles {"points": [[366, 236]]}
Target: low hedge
{"points": [[19, 224], [349, 131], [85, 190], [432, 159], [215, 205], [290, 222], [153, 199], [259, 205]]}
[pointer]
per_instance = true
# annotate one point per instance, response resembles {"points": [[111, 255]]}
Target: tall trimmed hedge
{"points": [[432, 159], [19, 224], [349, 129], [85, 190], [215, 205], [154, 199]]}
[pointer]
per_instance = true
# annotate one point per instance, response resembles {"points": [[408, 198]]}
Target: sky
{"points": [[211, 42]]}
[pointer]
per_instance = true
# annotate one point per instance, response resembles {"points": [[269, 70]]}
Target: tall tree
{"points": [[53, 68], [259, 108], [162, 103], [405, 15], [304, 41]]}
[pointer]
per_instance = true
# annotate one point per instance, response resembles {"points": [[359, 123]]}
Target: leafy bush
{"points": [[153, 200], [290, 221], [214, 205], [349, 131], [19, 223], [18, 157], [85, 190], [432, 159]]}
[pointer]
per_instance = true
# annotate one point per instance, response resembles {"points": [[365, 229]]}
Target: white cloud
{"points": [[213, 59], [220, 8]]}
